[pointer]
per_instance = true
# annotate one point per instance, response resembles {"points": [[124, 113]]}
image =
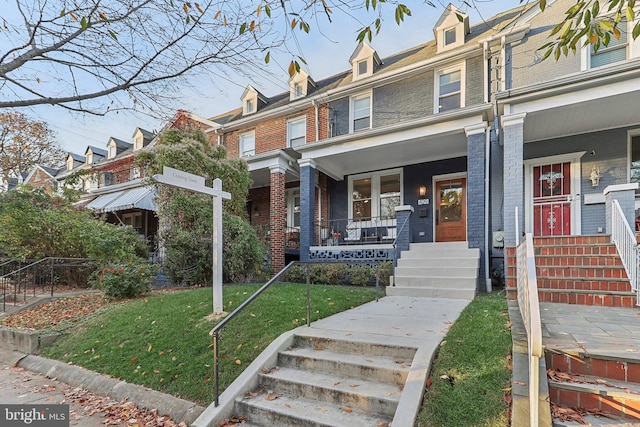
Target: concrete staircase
{"points": [[436, 270], [321, 381]]}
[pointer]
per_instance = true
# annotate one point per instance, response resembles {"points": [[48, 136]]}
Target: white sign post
{"points": [[188, 181]]}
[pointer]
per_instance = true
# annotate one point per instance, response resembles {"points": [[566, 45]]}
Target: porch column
{"points": [[278, 217], [307, 206], [513, 176], [476, 186], [625, 194], [403, 227]]}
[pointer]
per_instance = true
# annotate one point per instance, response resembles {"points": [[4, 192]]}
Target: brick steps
{"points": [[584, 270]]}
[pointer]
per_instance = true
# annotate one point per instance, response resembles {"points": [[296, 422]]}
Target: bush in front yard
{"points": [[124, 280]]}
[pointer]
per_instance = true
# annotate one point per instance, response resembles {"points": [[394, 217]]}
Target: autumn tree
{"points": [[24, 143], [186, 218], [76, 54]]}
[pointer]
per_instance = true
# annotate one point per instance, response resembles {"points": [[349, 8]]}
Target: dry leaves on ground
{"points": [[119, 413], [52, 314]]}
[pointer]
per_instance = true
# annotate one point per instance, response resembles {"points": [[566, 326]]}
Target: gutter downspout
{"points": [[487, 153], [317, 120]]}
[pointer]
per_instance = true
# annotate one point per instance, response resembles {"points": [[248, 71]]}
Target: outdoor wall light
{"points": [[422, 191], [595, 176]]}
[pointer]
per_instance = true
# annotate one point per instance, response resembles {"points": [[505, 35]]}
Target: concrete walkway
{"points": [[402, 321]]}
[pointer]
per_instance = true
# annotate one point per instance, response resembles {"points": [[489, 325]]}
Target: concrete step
{"points": [[436, 282], [617, 398], [366, 396], [438, 246], [285, 411], [402, 291], [304, 340], [452, 271], [440, 253], [412, 260], [357, 366]]}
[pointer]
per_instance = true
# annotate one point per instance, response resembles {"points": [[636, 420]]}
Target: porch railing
{"points": [[356, 231], [530, 311], [625, 240]]}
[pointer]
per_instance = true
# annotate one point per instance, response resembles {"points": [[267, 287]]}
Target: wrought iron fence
{"points": [[40, 277]]}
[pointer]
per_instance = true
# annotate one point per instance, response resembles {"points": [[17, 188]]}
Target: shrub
{"points": [[385, 269], [243, 252], [124, 280], [361, 275]]}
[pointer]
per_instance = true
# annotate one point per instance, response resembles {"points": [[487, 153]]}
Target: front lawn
{"points": [[162, 341]]}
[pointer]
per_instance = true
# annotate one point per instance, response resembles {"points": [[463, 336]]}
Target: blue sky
{"points": [[327, 52]]}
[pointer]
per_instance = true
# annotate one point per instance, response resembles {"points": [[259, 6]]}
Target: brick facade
{"points": [[41, 179], [277, 219]]}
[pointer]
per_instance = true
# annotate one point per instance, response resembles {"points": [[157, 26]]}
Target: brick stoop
{"points": [[593, 357], [584, 270]]}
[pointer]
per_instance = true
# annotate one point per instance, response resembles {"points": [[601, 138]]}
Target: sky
{"points": [[326, 53]]}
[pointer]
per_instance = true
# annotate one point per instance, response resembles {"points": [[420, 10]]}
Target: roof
{"points": [[393, 62], [49, 170], [145, 133], [120, 143], [77, 157], [96, 150]]}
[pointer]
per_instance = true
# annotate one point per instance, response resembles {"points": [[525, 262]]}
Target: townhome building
{"points": [[392, 151]]}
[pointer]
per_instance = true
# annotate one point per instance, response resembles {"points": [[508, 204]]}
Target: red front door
{"points": [[552, 199]]}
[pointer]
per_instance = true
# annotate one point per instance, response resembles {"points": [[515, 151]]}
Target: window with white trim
{"points": [[615, 51], [248, 144], [296, 132], [249, 106], [112, 151], [449, 89], [293, 208], [89, 158], [360, 112], [363, 67], [69, 163], [375, 195], [449, 36]]}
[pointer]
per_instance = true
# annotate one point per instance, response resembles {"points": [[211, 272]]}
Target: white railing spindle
{"points": [[625, 240]]}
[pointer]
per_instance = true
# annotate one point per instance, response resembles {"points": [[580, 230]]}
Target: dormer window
{"points": [[250, 106], [69, 163], [363, 61], [89, 157], [362, 67], [449, 36], [299, 85], [451, 29], [250, 100], [138, 142], [112, 150]]}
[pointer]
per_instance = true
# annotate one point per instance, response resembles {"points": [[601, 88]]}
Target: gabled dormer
{"points": [[141, 138], [251, 100], [74, 160], [364, 61], [94, 155], [300, 85], [116, 146], [451, 29]]}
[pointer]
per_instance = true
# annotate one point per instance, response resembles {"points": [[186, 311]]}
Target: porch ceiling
{"points": [[411, 151], [583, 117], [436, 137], [595, 100]]}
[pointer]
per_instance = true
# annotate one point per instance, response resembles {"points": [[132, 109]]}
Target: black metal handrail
{"points": [[395, 248], [217, 330], [49, 262], [371, 230]]}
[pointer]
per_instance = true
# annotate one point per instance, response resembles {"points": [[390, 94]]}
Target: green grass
{"points": [[476, 355], [162, 341]]}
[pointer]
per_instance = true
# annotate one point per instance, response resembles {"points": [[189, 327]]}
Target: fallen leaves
{"points": [[57, 313]]}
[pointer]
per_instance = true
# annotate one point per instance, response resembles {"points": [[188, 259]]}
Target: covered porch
{"points": [[384, 186]]}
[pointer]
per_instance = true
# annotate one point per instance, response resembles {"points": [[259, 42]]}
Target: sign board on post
{"points": [[189, 181]]}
